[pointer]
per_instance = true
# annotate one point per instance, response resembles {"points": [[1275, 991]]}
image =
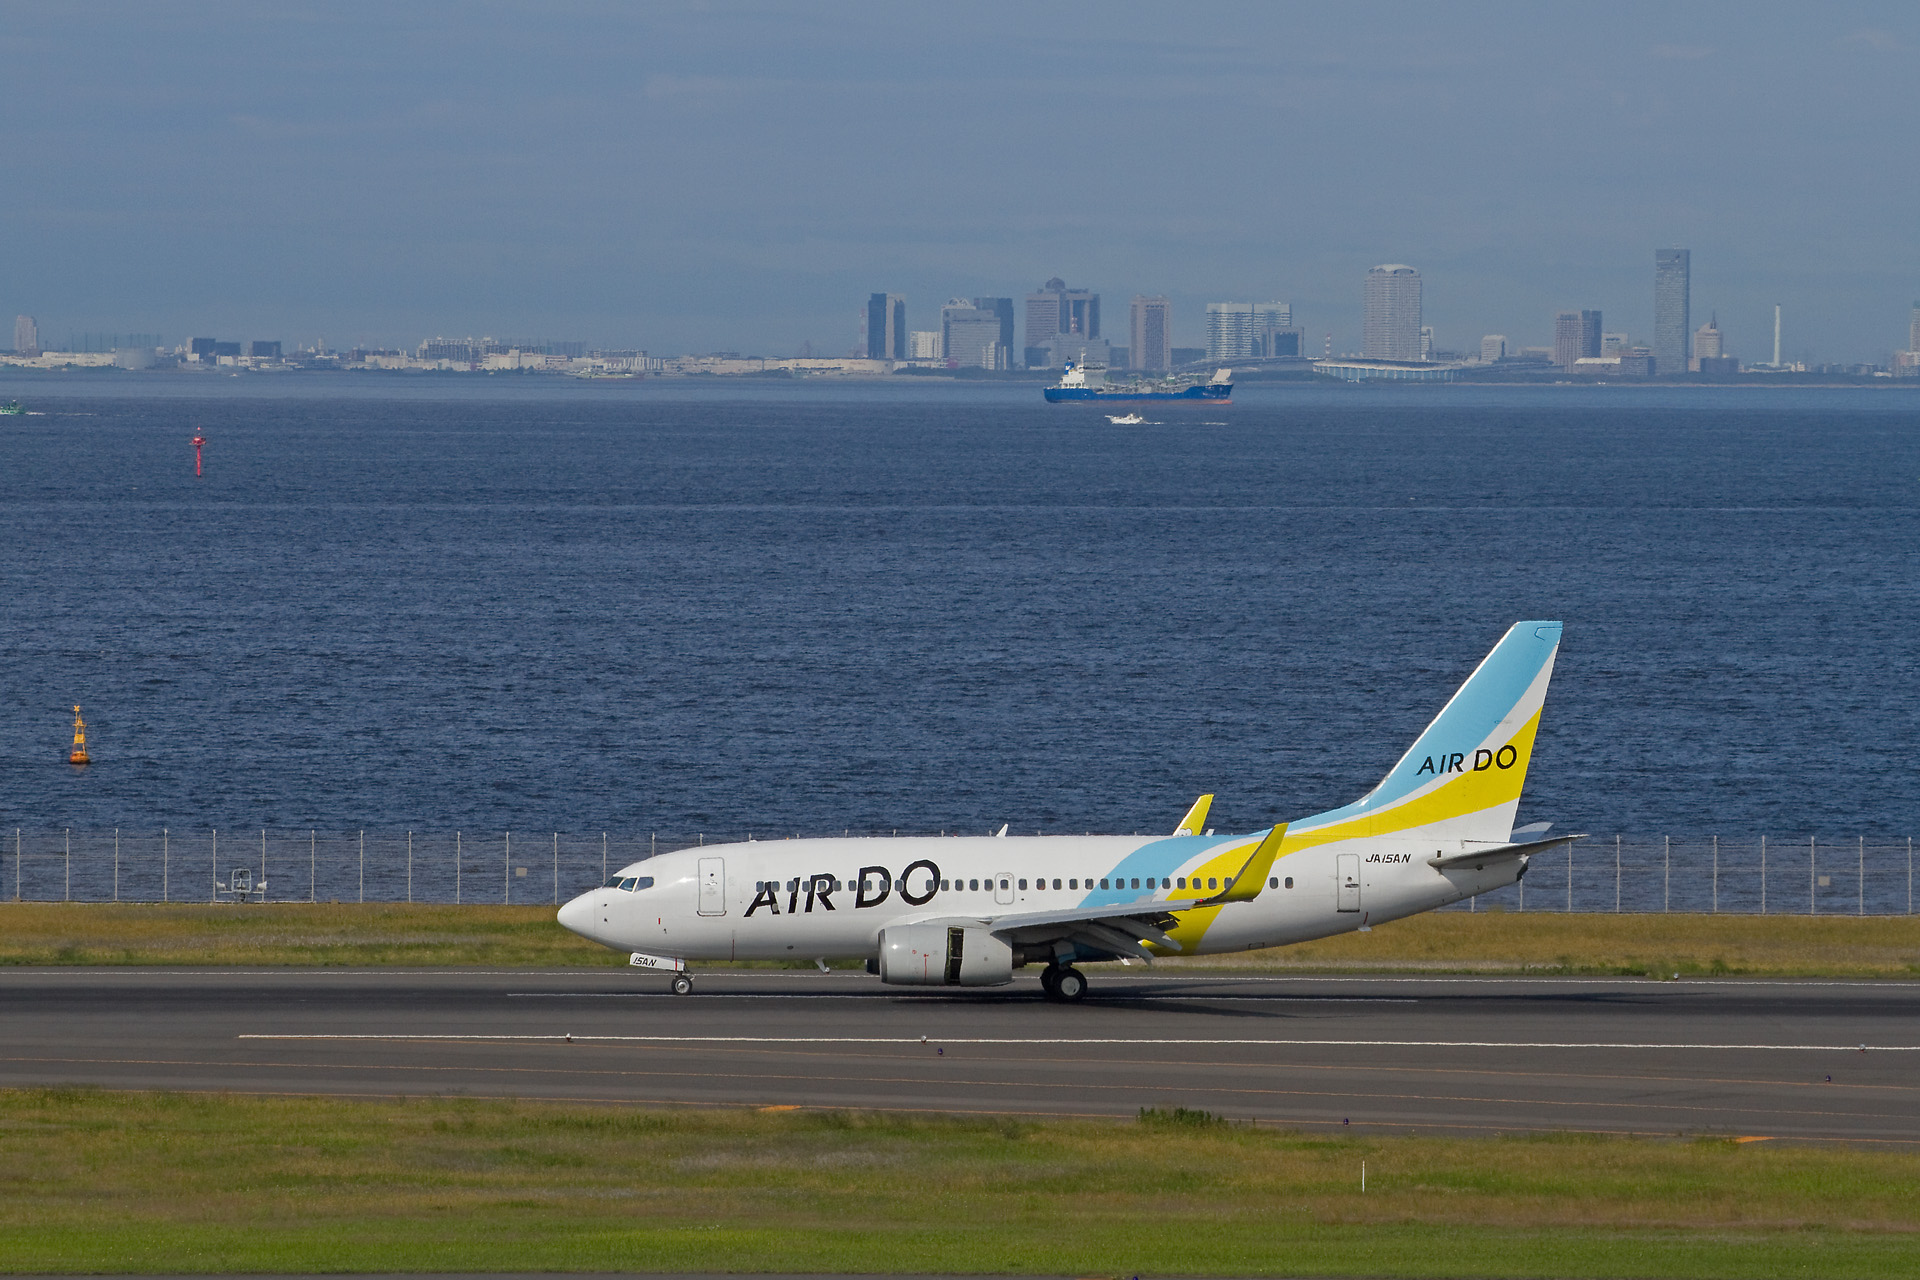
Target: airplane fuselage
{"points": [[788, 899]]}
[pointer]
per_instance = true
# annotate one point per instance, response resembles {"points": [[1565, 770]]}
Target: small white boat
{"points": [[1125, 419]]}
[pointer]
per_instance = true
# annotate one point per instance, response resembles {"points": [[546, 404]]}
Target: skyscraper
{"points": [[1152, 342], [1002, 308], [886, 327], [970, 336], [1392, 329], [1576, 334], [26, 336], [1913, 329], [1672, 309], [1248, 330], [1055, 311]]}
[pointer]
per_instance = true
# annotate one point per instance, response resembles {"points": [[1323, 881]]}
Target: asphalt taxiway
{"points": [[1785, 1060]]}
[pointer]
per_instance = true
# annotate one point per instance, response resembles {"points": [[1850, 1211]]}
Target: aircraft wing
{"points": [[1124, 927], [1493, 853]]}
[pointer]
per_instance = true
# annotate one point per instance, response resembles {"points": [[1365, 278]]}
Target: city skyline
{"points": [[692, 178]]}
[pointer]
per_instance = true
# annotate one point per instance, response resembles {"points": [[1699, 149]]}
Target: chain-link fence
{"points": [[1763, 876]]}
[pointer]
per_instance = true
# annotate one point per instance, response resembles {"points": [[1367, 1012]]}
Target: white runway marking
{"points": [[1070, 1040], [829, 995]]}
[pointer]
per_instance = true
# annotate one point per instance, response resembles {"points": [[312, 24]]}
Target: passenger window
{"points": [[1056, 884], [1273, 882], [1212, 883], [1073, 884], [943, 886], [1003, 884], [973, 885], [1289, 882], [1103, 882], [1023, 884], [1183, 882]]}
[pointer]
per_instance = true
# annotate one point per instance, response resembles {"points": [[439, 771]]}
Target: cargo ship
{"points": [[1089, 382]]}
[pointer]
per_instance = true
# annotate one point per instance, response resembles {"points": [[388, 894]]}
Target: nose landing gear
{"points": [[1063, 985], [682, 984]]}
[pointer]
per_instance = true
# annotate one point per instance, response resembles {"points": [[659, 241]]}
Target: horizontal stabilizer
{"points": [[1493, 853]]}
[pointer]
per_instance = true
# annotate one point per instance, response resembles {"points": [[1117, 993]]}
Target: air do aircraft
{"points": [[967, 911]]}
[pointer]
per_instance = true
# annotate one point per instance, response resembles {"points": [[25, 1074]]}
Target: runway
{"points": [[1777, 1060]]}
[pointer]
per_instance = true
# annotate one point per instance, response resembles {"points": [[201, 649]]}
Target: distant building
{"points": [[970, 336], [1188, 355], [1576, 336], [1055, 312], [1493, 347], [263, 350], [1672, 309], [201, 349], [1635, 363], [924, 344], [1392, 327], [1366, 370], [1913, 329], [1250, 330], [886, 327], [1426, 342], [1706, 344], [1614, 344], [1002, 308], [1151, 347], [26, 335]]}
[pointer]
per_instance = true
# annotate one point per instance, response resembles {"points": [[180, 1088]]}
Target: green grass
{"points": [[118, 1182], [527, 937]]}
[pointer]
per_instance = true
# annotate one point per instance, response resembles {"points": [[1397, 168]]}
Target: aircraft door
{"points": [[713, 886], [1003, 888], [1347, 881]]}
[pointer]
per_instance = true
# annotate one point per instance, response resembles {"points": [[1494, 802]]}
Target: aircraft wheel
{"points": [[1069, 986], [1050, 982], [682, 985]]}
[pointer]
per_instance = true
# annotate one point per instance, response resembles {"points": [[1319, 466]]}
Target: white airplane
{"points": [[968, 911]]}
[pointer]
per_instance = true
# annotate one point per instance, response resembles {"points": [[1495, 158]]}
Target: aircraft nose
{"points": [[577, 915]]}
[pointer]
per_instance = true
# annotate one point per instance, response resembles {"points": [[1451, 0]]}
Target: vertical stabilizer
{"points": [[1461, 779]]}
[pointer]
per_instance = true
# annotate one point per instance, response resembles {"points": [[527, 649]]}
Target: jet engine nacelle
{"points": [[938, 955]]}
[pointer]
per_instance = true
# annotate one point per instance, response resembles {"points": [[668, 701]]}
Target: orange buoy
{"points": [[79, 755]]}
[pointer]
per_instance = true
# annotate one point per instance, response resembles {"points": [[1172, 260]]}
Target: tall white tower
{"points": [[1776, 335]]}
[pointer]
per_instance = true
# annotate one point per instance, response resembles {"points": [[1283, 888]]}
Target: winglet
{"points": [[1252, 878], [1196, 819]]}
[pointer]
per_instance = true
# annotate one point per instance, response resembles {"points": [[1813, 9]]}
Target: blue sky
{"points": [[691, 177]]}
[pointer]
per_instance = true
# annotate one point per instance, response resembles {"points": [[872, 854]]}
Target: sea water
{"points": [[521, 604]]}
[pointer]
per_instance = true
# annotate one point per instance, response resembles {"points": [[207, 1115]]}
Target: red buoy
{"points": [[198, 440]]}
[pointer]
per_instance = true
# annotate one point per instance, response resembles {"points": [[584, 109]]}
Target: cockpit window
{"points": [[633, 884]]}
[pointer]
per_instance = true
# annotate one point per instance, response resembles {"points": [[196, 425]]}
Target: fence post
{"points": [[116, 864], [506, 876], [556, 868], [1666, 881], [1716, 875], [456, 868], [263, 864], [363, 866], [603, 857], [166, 859], [1813, 879], [16, 869], [1616, 874], [1763, 875], [66, 894], [1862, 886], [409, 866], [214, 895], [1569, 875], [1909, 875], [313, 864]]}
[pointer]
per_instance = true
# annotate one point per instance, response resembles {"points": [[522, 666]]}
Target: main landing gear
{"points": [[682, 984], [1063, 985]]}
